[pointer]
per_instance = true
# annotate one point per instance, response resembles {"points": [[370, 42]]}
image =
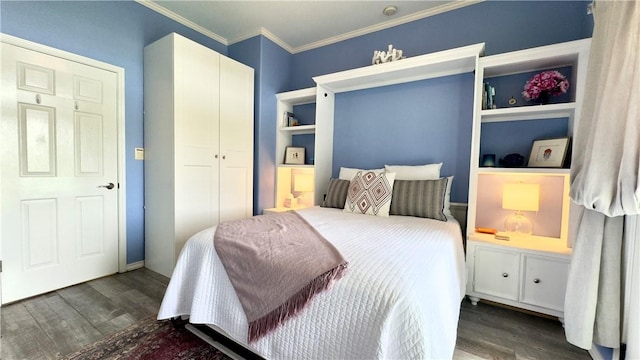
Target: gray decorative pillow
{"points": [[336, 194], [419, 198]]}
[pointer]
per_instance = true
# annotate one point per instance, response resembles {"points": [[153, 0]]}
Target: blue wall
{"points": [[117, 31], [114, 32], [407, 125]]}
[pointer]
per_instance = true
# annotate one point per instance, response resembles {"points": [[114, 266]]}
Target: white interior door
{"points": [[59, 154]]}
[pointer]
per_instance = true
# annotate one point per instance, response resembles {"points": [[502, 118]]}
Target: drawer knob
{"points": [[505, 275], [536, 281]]}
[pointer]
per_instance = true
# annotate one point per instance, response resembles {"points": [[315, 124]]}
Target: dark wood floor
{"points": [[67, 320]]}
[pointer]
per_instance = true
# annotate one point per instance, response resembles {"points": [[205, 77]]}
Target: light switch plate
{"points": [[139, 154]]}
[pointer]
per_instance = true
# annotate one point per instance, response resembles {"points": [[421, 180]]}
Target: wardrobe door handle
{"points": [[536, 281], [224, 157], [505, 275]]}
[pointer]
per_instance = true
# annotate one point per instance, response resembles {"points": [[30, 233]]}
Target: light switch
{"points": [[139, 154]]}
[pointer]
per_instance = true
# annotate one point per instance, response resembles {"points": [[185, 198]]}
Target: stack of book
{"points": [[488, 97], [289, 119]]}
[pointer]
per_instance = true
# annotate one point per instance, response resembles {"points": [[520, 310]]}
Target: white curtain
{"points": [[605, 176]]}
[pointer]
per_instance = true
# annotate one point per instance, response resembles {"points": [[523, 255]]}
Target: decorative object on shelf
{"points": [[488, 97], [290, 202], [289, 119], [512, 161], [484, 230], [550, 153], [520, 197], [303, 185], [489, 160], [294, 155], [382, 56], [544, 85], [512, 101]]}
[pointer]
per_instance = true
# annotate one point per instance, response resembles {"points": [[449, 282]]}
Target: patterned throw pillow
{"points": [[336, 194], [420, 198], [370, 193]]}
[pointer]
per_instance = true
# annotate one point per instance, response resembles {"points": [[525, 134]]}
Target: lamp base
{"points": [[518, 224]]}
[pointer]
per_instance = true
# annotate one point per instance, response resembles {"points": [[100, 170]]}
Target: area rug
{"points": [[150, 339]]}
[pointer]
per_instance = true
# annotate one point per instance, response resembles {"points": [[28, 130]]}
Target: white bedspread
{"points": [[400, 298]]}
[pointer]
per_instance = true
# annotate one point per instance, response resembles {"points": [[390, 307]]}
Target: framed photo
{"points": [[294, 155], [549, 153]]}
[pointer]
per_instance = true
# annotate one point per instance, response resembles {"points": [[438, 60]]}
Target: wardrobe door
{"points": [[236, 140], [197, 138]]}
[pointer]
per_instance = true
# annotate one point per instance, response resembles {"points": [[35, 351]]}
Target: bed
{"points": [[399, 299]]}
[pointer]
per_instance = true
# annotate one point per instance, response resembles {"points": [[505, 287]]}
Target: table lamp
{"points": [[520, 197], [303, 184]]}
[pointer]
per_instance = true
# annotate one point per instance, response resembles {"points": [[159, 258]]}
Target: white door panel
{"points": [[59, 144]]}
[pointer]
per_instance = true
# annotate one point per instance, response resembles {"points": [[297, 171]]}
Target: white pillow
{"points": [[370, 193], [417, 172], [349, 173]]}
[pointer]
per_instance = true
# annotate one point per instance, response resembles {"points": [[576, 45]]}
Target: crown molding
{"points": [[179, 19], [387, 24], [266, 33], [328, 41]]}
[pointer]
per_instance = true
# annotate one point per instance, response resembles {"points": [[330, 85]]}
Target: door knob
{"points": [[108, 186]]}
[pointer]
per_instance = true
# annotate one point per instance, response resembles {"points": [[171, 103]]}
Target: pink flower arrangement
{"points": [[549, 82]]}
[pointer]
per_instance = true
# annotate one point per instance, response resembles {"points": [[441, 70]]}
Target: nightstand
{"points": [[529, 273]]}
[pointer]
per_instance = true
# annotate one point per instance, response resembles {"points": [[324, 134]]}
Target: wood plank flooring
{"points": [[64, 321]]}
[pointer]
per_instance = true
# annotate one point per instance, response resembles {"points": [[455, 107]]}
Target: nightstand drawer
{"points": [[544, 281], [496, 272]]}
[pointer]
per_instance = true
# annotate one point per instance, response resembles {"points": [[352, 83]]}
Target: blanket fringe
{"points": [[262, 326]]}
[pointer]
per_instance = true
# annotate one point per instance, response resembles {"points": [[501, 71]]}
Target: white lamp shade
{"points": [[522, 197], [303, 183]]}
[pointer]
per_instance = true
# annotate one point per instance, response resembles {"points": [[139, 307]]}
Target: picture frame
{"points": [[549, 153], [294, 155]]}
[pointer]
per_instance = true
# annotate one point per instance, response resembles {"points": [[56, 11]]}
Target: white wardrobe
{"points": [[198, 139]]}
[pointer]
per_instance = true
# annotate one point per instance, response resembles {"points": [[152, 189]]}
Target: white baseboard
{"points": [[135, 265]]}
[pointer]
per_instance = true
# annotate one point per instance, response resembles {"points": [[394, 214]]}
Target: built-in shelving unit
{"points": [[287, 173], [443, 63], [438, 64], [573, 54], [525, 271]]}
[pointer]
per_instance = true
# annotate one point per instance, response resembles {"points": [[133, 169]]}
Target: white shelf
{"points": [[299, 130], [533, 112], [535, 243], [298, 97], [443, 63], [524, 171], [544, 57], [297, 166]]}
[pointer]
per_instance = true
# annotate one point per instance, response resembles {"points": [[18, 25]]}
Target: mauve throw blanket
{"points": [[276, 264]]}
